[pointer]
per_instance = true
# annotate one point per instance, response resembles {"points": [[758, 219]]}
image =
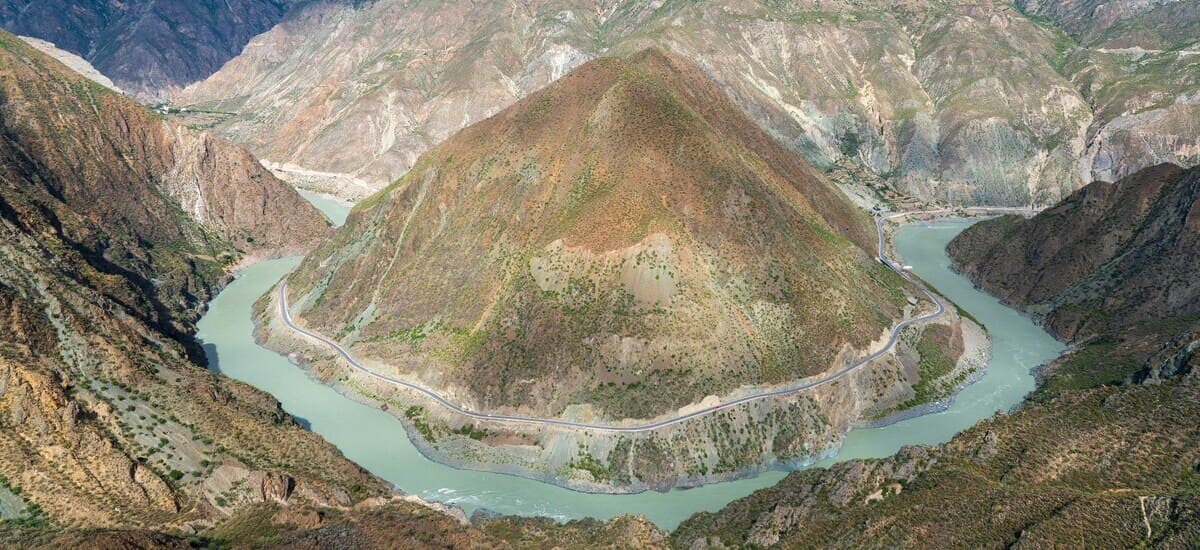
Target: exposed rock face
{"points": [[277, 487], [392, 79], [115, 227], [1138, 65], [964, 101], [1113, 267], [76, 63], [149, 47], [1120, 23], [625, 238]]}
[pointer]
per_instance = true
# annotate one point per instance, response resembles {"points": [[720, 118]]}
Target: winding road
{"points": [[285, 314]]}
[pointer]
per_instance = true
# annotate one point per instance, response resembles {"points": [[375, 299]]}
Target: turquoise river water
{"points": [[377, 441]]}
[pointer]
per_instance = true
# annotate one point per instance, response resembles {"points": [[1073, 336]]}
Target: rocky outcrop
{"points": [[276, 487]]}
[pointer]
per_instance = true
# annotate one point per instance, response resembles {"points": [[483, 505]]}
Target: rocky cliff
{"points": [[149, 47], [1111, 269], [971, 102]]}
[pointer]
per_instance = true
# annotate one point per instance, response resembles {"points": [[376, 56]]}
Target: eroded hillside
{"points": [[971, 102]]}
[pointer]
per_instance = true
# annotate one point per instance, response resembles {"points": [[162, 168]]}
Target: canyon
{"points": [[605, 213]]}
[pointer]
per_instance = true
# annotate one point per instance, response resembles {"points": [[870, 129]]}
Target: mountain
{"points": [[970, 102], [623, 244], [625, 226], [148, 47], [1111, 269], [75, 147]]}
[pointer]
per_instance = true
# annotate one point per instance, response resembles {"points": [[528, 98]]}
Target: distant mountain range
{"points": [[969, 102], [148, 47]]}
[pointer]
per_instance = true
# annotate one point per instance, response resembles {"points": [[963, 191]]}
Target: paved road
{"points": [[654, 425]]}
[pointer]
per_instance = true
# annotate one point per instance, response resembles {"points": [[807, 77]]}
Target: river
{"points": [[377, 441]]}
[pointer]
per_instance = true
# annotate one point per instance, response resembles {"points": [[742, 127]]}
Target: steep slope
{"points": [[149, 47], [1112, 269], [1137, 66], [133, 178], [963, 101], [388, 526], [74, 62], [117, 226], [1149, 24], [624, 238]]}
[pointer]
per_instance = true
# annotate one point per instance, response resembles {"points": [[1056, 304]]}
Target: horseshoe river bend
{"points": [[377, 441]]}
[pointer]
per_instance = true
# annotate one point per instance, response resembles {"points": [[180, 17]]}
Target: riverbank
{"points": [[374, 439], [590, 461]]}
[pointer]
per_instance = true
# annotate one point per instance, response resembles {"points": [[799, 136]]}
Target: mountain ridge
{"points": [[903, 94]]}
